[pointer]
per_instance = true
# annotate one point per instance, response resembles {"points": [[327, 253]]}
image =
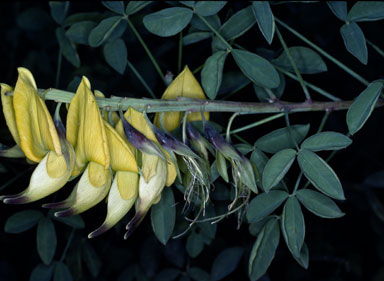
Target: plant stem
{"points": [[323, 121], [292, 61], [180, 57], [153, 60], [236, 90], [313, 87], [69, 241], [196, 105], [58, 69], [228, 134], [289, 129], [216, 32], [376, 48], [297, 183], [198, 69], [325, 54], [141, 79], [258, 123]]}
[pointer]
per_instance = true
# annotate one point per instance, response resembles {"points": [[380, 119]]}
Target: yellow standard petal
{"points": [[121, 198], [184, 85], [9, 112], [86, 130], [36, 129], [122, 157]]}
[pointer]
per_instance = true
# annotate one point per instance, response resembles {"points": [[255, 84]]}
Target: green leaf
{"points": [[265, 19], [222, 166], [232, 81], [217, 45], [262, 92], [67, 47], [367, 11], [79, 17], [319, 204], [135, 6], [354, 41], [79, 32], [198, 274], [263, 251], [73, 221], [41, 272], [195, 37], [168, 22], [303, 259], [115, 53], [114, 6], [190, 4], [292, 226], [257, 69], [320, 174], [208, 8], [194, 245], [62, 272], [339, 9], [259, 159], [22, 221], [247, 174], [46, 240], [359, 112], [59, 10], [238, 24], [212, 73], [163, 216], [103, 30], [243, 148], [279, 139], [306, 59], [277, 167], [214, 21], [255, 228], [264, 204], [326, 141], [226, 262], [91, 259]]}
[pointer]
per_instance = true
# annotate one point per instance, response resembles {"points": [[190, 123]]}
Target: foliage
{"points": [[266, 179]]}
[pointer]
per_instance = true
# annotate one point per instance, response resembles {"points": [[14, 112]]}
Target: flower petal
{"points": [[184, 85], [121, 197], [86, 130], [93, 187], [34, 123], [9, 112], [51, 174], [149, 192]]}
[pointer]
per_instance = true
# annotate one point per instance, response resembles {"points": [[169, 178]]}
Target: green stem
{"points": [[236, 90], [323, 121], [141, 79], [228, 134], [153, 60], [297, 183], [313, 87], [258, 123], [180, 57], [289, 129], [58, 69], [69, 241], [216, 32], [376, 48], [241, 139], [324, 53], [195, 105], [292, 61], [198, 69]]}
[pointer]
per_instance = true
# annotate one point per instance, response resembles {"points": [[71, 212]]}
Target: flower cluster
{"points": [[129, 163]]}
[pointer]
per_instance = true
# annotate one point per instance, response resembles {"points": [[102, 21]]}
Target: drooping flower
{"points": [[124, 189], [34, 131], [184, 85], [86, 133], [156, 173]]}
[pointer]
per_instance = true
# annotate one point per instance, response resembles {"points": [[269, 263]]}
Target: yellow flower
{"points": [[184, 85], [124, 189], [86, 133], [155, 172], [34, 131]]}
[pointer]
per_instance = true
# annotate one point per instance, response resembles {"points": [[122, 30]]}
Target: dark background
{"points": [[349, 248]]}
